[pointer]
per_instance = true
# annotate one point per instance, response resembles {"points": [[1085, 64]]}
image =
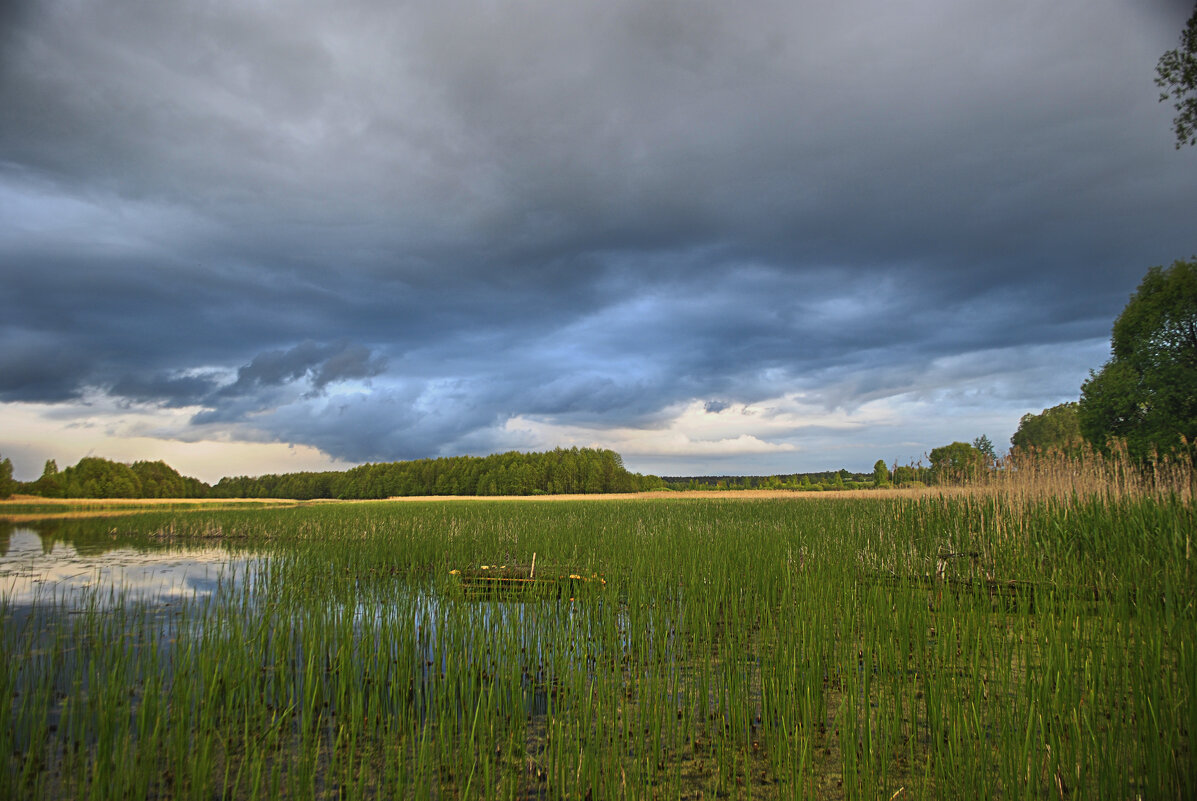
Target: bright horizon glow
{"points": [[69, 436]]}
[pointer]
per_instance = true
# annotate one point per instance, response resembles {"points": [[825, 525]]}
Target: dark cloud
{"points": [[582, 213], [35, 369], [170, 391], [271, 378], [324, 363], [350, 362]]}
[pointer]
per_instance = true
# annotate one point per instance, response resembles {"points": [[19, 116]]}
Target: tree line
{"points": [[95, 477], [556, 472], [827, 480], [560, 471]]}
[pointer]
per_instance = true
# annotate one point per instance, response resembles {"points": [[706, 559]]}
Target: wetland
{"points": [[755, 647]]}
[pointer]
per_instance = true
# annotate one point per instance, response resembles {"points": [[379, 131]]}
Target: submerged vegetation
{"points": [[1028, 640]]}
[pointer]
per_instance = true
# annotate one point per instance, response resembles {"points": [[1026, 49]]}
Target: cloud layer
{"points": [[398, 230]]}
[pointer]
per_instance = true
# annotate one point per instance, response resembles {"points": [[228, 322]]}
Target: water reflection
{"points": [[43, 566], [91, 535]]}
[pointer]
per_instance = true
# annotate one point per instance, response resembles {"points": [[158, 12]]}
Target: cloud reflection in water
{"points": [[30, 572]]}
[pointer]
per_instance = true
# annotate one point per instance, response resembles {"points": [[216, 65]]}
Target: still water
{"points": [[42, 567]]}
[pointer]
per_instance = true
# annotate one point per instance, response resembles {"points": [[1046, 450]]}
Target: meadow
{"points": [[989, 644]]}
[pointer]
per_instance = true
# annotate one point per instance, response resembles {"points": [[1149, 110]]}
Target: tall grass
{"points": [[1085, 472], [763, 649]]}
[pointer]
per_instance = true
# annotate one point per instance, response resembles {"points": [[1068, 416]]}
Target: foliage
{"points": [[880, 473], [983, 444], [911, 475], [160, 480], [94, 477], [827, 479], [1147, 393], [1055, 429], [956, 463], [7, 485], [560, 471], [575, 470], [1176, 74], [50, 484]]}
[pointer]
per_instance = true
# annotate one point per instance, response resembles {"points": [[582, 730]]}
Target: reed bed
{"points": [[739, 649], [1026, 477]]}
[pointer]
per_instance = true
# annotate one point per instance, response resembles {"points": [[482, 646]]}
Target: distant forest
{"points": [[827, 480], [560, 471], [576, 470], [556, 472]]}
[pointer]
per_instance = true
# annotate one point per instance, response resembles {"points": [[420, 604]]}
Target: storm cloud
{"points": [[399, 230]]}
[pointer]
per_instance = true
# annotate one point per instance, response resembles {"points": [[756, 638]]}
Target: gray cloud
{"points": [[168, 390], [324, 363], [34, 369], [583, 213], [352, 361]]}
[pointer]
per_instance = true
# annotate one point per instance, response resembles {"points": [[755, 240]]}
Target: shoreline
{"points": [[115, 504]]}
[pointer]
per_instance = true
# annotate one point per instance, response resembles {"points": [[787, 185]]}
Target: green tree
{"points": [[909, 475], [880, 473], [49, 485], [983, 444], [7, 485], [956, 463], [1056, 429], [1146, 394], [1176, 75], [94, 477], [159, 480]]}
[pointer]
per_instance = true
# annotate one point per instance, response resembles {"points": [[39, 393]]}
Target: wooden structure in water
{"points": [[515, 581]]}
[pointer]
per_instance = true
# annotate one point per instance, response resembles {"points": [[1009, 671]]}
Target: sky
{"points": [[251, 236]]}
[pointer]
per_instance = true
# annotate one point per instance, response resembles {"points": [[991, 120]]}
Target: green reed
{"points": [[763, 649]]}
